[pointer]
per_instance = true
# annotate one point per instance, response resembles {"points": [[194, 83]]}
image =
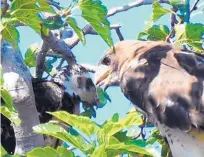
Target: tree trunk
{"points": [[17, 80]]}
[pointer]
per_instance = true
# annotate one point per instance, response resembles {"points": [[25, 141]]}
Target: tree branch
{"points": [[87, 30], [41, 59], [120, 36], [60, 47], [194, 6], [17, 80], [137, 3]]}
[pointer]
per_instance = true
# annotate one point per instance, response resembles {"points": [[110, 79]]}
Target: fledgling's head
{"points": [[77, 81]]}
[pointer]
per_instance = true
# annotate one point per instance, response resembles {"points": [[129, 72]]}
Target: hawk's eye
{"points": [[106, 61]]}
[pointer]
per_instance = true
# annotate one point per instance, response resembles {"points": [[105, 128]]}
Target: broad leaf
{"points": [[42, 152], [53, 23], [114, 147], [95, 13], [103, 97], [72, 22], [63, 152], [30, 56], [191, 34], [83, 124], [45, 31], [11, 115], [139, 142], [3, 151], [7, 98], [30, 6], [177, 2], [99, 152], [158, 11], [121, 148], [60, 133], [10, 34], [27, 12], [156, 32], [132, 118]]}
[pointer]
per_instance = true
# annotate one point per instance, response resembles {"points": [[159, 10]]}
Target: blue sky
{"points": [[132, 21]]}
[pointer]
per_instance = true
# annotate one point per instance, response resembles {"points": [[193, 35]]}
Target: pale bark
{"points": [[17, 80]]}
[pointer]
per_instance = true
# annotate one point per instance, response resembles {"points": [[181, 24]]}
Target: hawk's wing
{"points": [[168, 85]]}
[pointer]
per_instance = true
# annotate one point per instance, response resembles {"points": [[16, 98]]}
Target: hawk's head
{"points": [[127, 54], [111, 63]]}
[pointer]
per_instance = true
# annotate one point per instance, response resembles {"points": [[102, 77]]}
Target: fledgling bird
{"points": [[70, 86], [165, 83]]}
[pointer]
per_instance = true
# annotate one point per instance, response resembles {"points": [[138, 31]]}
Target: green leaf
{"points": [[151, 140], [30, 56], [72, 22], [53, 23], [115, 117], [99, 152], [121, 148], [103, 97], [114, 147], [11, 115], [158, 11], [27, 12], [132, 118], [60, 133], [30, 6], [7, 98], [95, 13], [45, 30], [139, 142], [177, 2], [63, 152], [122, 136], [156, 32], [190, 34], [1, 77], [10, 34], [3, 151], [83, 124], [42, 152]]}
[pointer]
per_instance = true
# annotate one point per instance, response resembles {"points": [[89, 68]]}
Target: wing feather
{"points": [[169, 85]]}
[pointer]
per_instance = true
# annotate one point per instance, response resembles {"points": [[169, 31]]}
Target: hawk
{"points": [[166, 84]]}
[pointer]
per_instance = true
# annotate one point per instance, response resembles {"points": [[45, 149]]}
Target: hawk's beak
{"points": [[102, 77]]}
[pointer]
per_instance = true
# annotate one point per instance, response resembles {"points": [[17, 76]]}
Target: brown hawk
{"points": [[164, 82]]}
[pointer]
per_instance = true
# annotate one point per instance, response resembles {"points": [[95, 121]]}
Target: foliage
{"points": [[20, 12], [115, 136], [82, 128], [190, 34]]}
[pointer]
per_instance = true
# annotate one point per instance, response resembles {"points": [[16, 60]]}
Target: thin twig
{"points": [[60, 64], [120, 36], [137, 3], [87, 30], [194, 6], [173, 17]]}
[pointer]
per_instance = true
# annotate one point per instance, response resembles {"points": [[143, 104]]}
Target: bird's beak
{"points": [[102, 77]]}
